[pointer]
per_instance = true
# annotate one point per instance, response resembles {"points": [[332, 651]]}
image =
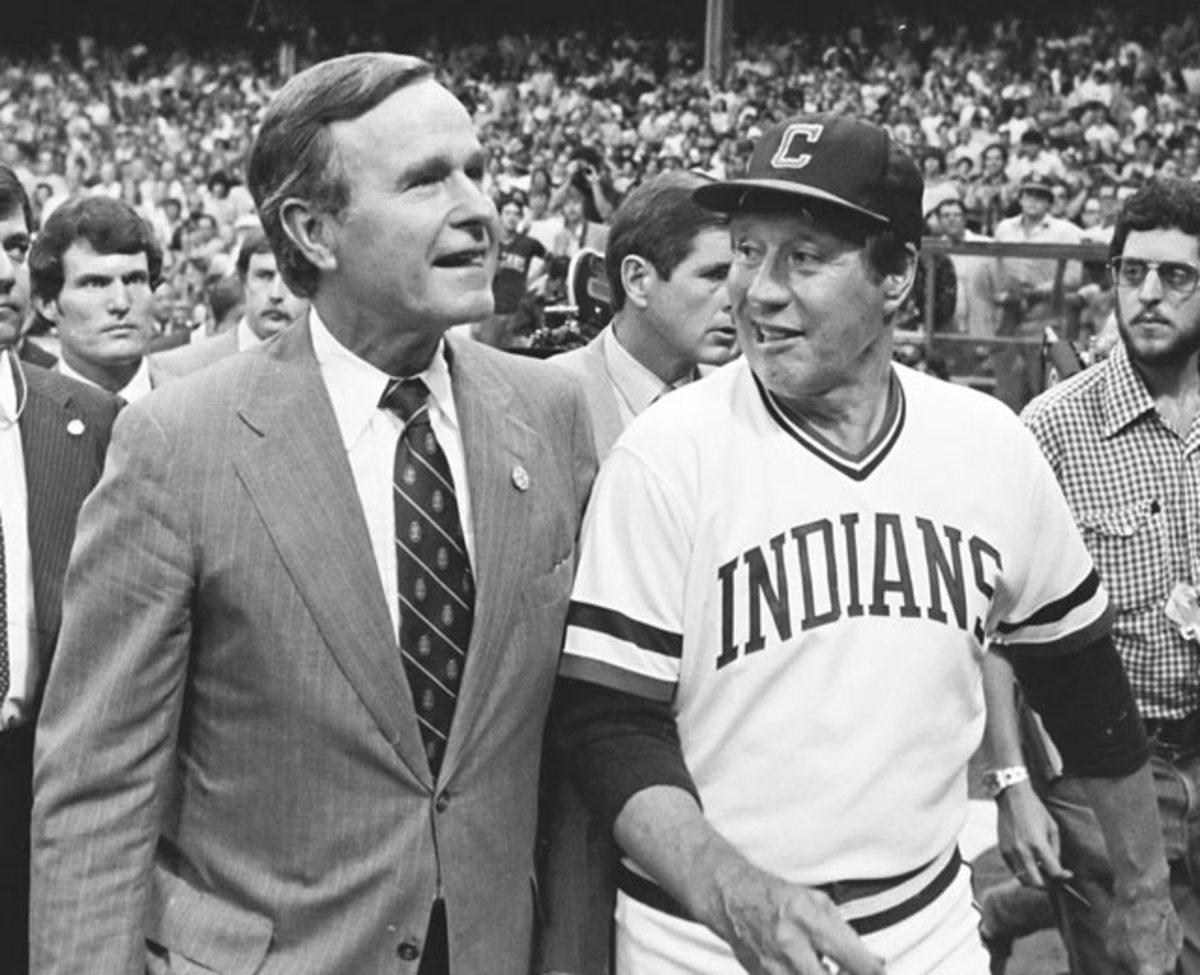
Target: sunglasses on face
{"points": [[1175, 276]]}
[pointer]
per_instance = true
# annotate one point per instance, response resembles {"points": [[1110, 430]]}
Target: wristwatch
{"points": [[996, 780]]}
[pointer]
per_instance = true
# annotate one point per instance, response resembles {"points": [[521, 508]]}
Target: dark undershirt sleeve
{"points": [[615, 744], [1087, 706]]}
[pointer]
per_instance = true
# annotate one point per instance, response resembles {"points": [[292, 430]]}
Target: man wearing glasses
{"points": [[1124, 441]]}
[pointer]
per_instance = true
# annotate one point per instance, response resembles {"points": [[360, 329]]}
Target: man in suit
{"points": [[93, 270], [667, 261], [15, 240], [53, 434], [270, 308], [314, 611]]}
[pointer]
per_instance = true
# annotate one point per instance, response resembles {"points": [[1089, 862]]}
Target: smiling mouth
{"points": [[767, 334]]}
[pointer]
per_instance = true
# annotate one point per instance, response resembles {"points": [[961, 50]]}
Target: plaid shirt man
{"points": [[1133, 484]]}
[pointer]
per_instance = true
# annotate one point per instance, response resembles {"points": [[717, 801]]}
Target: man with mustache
{"points": [[1122, 439], [271, 306]]}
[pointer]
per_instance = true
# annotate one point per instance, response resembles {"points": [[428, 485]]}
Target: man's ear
{"points": [[897, 284], [47, 308], [637, 274], [308, 228]]}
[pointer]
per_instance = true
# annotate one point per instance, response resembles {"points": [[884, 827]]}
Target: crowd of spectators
{"points": [[573, 122]]}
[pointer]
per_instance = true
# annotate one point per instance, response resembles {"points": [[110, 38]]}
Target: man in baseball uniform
{"points": [[790, 572]]}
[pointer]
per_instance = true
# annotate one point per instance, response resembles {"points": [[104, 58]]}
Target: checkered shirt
{"points": [[1133, 485]]}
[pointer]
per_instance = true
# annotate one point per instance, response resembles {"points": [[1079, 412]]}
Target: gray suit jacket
{"points": [[587, 366], [229, 771], [186, 359]]}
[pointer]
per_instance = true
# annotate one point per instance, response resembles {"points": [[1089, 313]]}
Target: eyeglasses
{"points": [[1175, 276]]}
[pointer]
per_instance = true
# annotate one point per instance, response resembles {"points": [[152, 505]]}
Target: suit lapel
{"points": [[60, 469], [496, 443], [602, 397], [295, 469]]}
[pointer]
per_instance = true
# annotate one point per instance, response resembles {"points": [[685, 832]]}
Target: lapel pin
{"points": [[520, 478], [75, 427]]}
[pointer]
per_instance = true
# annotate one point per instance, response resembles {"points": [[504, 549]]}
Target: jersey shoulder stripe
{"points": [[859, 466], [588, 616], [616, 678], [1058, 609]]}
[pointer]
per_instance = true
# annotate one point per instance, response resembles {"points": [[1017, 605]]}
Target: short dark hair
{"points": [[657, 221], [13, 197], [109, 226], [293, 155], [255, 243], [1161, 203], [223, 296]]}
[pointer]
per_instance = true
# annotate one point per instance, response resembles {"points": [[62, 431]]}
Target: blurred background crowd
{"points": [[1090, 106]]}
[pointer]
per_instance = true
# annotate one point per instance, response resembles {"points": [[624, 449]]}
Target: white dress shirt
{"points": [[370, 434], [135, 389], [23, 664]]}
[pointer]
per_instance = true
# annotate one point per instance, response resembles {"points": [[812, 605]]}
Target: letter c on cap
{"points": [[788, 156]]}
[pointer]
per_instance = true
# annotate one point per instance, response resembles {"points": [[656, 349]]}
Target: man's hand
{"points": [[779, 928], [772, 926], [1028, 837], [1143, 933]]}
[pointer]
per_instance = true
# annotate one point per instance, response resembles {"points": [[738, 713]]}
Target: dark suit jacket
{"points": [[64, 429], [61, 467], [229, 771], [35, 355]]}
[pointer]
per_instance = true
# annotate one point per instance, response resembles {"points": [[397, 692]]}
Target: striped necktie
{"points": [[434, 583]]}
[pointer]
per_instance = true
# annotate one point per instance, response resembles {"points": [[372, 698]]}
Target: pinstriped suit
{"points": [[225, 564], [186, 359], [60, 469]]}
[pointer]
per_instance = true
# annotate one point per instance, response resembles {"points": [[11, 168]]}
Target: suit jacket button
{"points": [[442, 802], [408, 951]]}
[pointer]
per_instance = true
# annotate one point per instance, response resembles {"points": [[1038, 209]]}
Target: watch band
{"points": [[996, 780]]}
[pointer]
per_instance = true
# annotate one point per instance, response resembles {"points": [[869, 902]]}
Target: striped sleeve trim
{"points": [[1099, 627], [587, 616], [1057, 610], [616, 678]]}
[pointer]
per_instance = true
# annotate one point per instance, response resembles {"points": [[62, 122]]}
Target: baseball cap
{"points": [[1038, 184], [842, 161]]}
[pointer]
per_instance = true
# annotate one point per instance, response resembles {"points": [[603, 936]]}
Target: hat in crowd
{"points": [[934, 196], [832, 159], [1038, 184]]}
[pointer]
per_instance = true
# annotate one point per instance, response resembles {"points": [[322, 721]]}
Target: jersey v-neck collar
{"points": [[857, 466]]}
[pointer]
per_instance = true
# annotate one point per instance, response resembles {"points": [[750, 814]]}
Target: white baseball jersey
{"points": [[816, 619]]}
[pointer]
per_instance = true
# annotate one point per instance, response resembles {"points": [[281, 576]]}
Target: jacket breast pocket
{"points": [[1128, 546], [189, 931]]}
